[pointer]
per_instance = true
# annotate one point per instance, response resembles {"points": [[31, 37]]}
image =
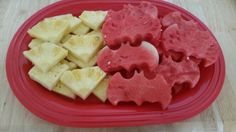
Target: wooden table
{"points": [[219, 15]]}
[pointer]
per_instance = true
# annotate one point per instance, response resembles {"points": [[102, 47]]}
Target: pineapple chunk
{"points": [[74, 22], [65, 38], [101, 90], [35, 43], [97, 33], [84, 47], [63, 90], [70, 64], [80, 63], [83, 81], [46, 55], [82, 29], [51, 30], [48, 79], [93, 19]]}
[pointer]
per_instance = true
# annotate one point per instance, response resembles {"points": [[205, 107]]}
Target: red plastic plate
{"points": [[92, 113]]}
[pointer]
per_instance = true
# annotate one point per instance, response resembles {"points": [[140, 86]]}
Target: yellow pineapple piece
{"points": [[51, 30], [46, 55], [93, 19], [70, 64], [50, 78], [80, 63], [63, 90], [84, 47], [35, 43], [83, 81], [74, 22], [81, 29], [101, 90], [65, 38]]}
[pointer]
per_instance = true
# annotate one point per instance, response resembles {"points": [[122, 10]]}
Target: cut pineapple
{"points": [[93, 19], [73, 21], [82, 81], [101, 90], [63, 90], [81, 30], [35, 43], [84, 47], [46, 55], [80, 63], [97, 33], [51, 30], [70, 64], [48, 79], [65, 38]]}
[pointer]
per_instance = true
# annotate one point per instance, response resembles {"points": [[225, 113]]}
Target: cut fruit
{"points": [[81, 29], [101, 90], [65, 38], [48, 79], [144, 57], [132, 24], [50, 30], [186, 37], [83, 81], [46, 55], [139, 89], [80, 63], [70, 64], [93, 19], [63, 90], [174, 18], [35, 43], [148, 8], [185, 71], [84, 47], [96, 33], [74, 22]]}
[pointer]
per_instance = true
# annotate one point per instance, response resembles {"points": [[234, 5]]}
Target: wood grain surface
{"points": [[218, 15]]}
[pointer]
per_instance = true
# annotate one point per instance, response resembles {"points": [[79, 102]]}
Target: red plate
{"points": [[92, 113]]}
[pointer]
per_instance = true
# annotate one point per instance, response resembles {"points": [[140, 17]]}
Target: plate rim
{"points": [[17, 93]]}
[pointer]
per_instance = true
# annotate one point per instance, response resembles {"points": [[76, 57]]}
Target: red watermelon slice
{"points": [[177, 88], [146, 7], [139, 89], [186, 37], [128, 58], [186, 71], [132, 24]]}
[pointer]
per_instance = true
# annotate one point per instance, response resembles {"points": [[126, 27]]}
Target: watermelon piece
{"points": [[128, 58], [177, 88], [132, 24], [147, 7], [186, 37], [186, 71], [176, 18], [139, 89]]}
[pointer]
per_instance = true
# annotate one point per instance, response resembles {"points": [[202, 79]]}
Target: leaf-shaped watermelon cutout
{"points": [[139, 89], [186, 37]]}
